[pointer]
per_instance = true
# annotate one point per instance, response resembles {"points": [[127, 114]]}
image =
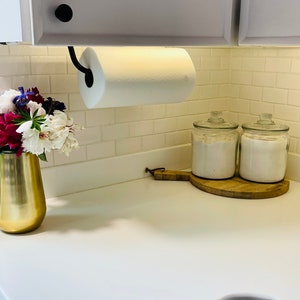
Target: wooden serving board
{"points": [[235, 187]]}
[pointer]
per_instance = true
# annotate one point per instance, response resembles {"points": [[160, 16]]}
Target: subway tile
{"points": [[288, 81], [295, 66], [264, 79], [48, 65], [150, 142], [115, 131], [210, 63], [4, 50], [176, 109], [64, 83], [101, 150], [141, 128], [258, 107], [241, 77], [42, 82], [203, 77], [208, 91], [285, 112], [288, 52], [76, 102], [239, 105], [253, 63], [278, 64], [129, 145], [251, 92], [186, 122], [77, 155], [178, 138], [103, 116], [14, 65], [155, 111], [59, 51], [275, 95], [22, 50], [165, 125], [128, 114], [88, 135], [220, 76], [294, 97], [5, 84]]}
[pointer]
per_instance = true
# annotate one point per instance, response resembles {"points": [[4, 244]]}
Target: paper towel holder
{"points": [[89, 78]]}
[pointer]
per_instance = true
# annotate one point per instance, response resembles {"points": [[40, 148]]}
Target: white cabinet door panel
{"points": [[136, 22], [269, 22]]}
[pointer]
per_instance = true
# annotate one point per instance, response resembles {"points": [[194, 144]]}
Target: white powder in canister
{"points": [[263, 158], [214, 159]]}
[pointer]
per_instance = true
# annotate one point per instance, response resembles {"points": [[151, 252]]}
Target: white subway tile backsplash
{"points": [[264, 79], [151, 142], [294, 98], [275, 64], [141, 128], [241, 77], [29, 81], [165, 125], [4, 50], [96, 117], [14, 65], [64, 83], [258, 107], [178, 138], [243, 82], [48, 65], [285, 112], [129, 145], [275, 95], [29, 50], [288, 81], [253, 63], [101, 150], [115, 131], [251, 92]]}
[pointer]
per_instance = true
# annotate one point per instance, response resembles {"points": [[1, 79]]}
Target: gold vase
{"points": [[22, 198]]}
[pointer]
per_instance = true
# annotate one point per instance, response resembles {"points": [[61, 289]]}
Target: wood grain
{"points": [[235, 187]]}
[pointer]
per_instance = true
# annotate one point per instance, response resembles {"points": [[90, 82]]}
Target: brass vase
{"points": [[22, 198]]}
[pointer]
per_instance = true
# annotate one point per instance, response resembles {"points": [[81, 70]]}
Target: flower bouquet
{"points": [[30, 123]]}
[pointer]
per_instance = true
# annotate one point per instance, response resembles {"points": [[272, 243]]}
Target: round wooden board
{"points": [[237, 187]]}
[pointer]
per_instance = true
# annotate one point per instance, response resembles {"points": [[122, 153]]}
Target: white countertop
{"points": [[156, 240]]}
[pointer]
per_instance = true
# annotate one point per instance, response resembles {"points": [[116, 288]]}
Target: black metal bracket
{"points": [[89, 78]]}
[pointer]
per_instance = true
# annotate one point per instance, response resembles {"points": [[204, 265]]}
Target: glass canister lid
{"points": [[265, 123], [215, 121]]}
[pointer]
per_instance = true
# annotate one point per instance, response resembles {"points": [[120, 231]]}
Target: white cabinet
{"points": [[135, 22], [269, 22], [15, 21]]}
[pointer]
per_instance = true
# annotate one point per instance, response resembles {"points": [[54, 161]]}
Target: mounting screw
{"points": [[64, 13]]}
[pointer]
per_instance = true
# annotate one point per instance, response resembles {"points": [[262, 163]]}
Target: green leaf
{"points": [[43, 157]]}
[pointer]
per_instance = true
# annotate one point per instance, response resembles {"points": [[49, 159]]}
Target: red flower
{"points": [[34, 95], [8, 135]]}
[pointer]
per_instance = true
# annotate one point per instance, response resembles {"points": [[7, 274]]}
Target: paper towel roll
{"points": [[125, 76]]}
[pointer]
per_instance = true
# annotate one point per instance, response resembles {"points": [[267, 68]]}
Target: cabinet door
{"points": [[270, 22], [10, 21], [15, 21], [135, 22]]}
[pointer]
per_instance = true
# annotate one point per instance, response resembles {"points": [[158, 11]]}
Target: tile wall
{"points": [[243, 82]]}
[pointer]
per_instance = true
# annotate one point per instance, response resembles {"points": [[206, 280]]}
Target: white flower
{"points": [[61, 129], [6, 101], [35, 141], [34, 106]]}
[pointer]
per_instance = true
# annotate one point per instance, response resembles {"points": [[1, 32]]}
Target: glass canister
{"points": [[214, 147], [264, 149]]}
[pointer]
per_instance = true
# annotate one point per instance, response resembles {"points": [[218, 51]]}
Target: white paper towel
{"points": [[125, 76]]}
